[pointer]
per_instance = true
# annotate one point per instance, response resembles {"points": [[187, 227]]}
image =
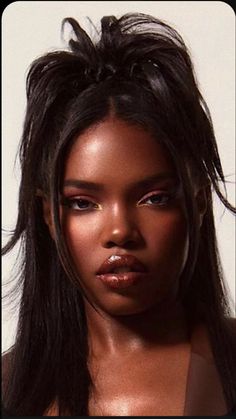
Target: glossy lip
{"points": [[122, 279]]}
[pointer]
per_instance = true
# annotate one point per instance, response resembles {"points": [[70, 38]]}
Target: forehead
{"points": [[115, 149]]}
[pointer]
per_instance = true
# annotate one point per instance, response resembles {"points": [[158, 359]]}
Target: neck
{"points": [[155, 327]]}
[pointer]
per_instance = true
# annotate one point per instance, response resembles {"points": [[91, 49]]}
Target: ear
{"points": [[47, 215], [201, 200]]}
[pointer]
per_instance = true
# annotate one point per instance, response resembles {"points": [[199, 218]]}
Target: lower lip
{"points": [[122, 280]]}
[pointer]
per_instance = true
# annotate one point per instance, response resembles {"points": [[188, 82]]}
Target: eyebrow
{"points": [[146, 182], [155, 179], [83, 184]]}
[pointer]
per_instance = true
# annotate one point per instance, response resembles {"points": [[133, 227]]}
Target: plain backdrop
{"points": [[31, 28]]}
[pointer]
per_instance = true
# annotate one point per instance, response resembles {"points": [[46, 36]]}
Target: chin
{"points": [[133, 301], [129, 307]]}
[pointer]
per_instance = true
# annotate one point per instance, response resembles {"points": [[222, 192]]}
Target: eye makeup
{"points": [[161, 196], [79, 203], [154, 191]]}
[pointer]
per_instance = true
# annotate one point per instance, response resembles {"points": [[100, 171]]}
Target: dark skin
{"points": [[138, 338]]}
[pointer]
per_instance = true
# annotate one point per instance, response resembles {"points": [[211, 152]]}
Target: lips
{"points": [[121, 271], [121, 263]]}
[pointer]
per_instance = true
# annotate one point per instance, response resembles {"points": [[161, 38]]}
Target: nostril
{"points": [[129, 245], [128, 236], [110, 244]]}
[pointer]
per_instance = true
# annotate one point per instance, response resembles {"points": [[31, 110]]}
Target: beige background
{"points": [[33, 27]]}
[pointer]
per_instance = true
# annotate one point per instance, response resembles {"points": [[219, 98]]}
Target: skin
{"points": [[142, 325]]}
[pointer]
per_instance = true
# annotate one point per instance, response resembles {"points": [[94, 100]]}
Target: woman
{"points": [[123, 308]]}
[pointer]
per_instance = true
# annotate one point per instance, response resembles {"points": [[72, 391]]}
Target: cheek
{"points": [[81, 238], [169, 240]]}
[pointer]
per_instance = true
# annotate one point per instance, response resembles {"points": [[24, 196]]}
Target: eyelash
{"points": [[70, 202], [163, 199]]}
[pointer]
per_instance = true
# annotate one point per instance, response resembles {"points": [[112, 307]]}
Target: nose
{"points": [[121, 229]]}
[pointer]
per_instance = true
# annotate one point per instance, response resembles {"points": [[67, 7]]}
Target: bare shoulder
{"points": [[201, 341]]}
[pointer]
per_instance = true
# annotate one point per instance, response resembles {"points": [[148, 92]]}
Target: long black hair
{"points": [[140, 70]]}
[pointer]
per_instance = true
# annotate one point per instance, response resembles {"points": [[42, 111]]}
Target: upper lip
{"points": [[130, 261]]}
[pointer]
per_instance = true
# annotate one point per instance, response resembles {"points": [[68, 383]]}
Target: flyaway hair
{"points": [[140, 70]]}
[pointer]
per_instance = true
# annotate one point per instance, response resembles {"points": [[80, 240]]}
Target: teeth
{"points": [[122, 269], [113, 257]]}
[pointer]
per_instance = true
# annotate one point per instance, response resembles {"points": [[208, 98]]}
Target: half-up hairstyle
{"points": [[140, 70]]}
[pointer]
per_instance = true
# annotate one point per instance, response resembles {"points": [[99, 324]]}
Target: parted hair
{"points": [[140, 69]]}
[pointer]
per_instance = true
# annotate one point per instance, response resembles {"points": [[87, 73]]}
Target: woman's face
{"points": [[121, 200]]}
